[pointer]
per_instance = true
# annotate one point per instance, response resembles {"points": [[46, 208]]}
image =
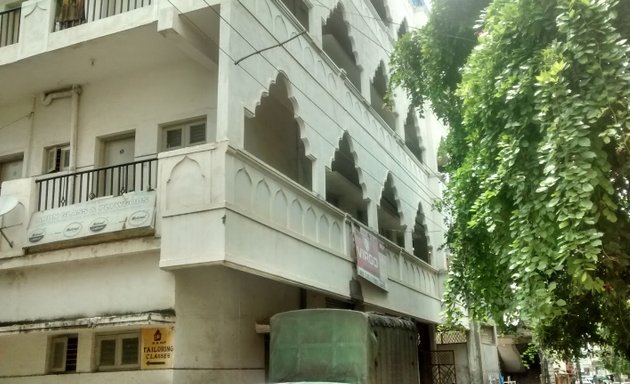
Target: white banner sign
{"points": [[134, 210], [370, 264]]}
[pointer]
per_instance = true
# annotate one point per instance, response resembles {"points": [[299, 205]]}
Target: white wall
{"points": [[217, 309], [114, 285], [326, 106], [130, 102]]}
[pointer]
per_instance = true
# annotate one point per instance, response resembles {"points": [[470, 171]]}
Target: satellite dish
{"points": [[7, 204]]}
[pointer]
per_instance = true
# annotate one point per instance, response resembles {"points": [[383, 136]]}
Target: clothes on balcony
{"points": [[70, 13]]}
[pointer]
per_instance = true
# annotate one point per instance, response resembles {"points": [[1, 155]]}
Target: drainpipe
{"points": [[26, 169], [72, 92]]}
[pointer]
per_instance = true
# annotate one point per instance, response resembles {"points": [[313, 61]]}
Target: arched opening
{"points": [[273, 135], [412, 136], [299, 9], [419, 238], [389, 223], [338, 46], [377, 96], [403, 29], [343, 189], [381, 10]]}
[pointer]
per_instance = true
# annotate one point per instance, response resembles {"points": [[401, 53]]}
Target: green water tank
{"points": [[342, 346]]}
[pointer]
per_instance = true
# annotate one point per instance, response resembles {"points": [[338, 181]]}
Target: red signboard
{"points": [[370, 265]]}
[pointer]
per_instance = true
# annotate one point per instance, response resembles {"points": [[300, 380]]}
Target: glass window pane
{"points": [[174, 138], [130, 351], [66, 158], [71, 354], [197, 133], [108, 353], [59, 350]]}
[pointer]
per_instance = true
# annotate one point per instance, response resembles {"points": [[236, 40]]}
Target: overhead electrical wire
{"points": [[334, 145], [421, 186], [317, 81], [28, 115]]}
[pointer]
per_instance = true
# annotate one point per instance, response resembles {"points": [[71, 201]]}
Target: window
{"points": [[183, 134], [63, 353], [118, 351], [57, 158]]}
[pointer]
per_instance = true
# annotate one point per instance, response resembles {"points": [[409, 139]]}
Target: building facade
{"points": [[175, 172]]}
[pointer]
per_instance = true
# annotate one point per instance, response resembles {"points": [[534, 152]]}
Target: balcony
{"points": [[9, 26], [79, 208], [71, 13], [222, 206], [74, 188], [213, 204]]}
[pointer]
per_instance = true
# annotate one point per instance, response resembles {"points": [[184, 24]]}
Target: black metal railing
{"points": [[59, 191], [71, 13], [10, 26]]}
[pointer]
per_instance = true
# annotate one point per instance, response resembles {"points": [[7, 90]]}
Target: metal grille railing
{"points": [[59, 191], [10, 26], [71, 13], [443, 367], [451, 337]]}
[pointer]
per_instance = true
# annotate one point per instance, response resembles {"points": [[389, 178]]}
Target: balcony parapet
{"points": [[320, 249], [37, 27], [79, 208]]}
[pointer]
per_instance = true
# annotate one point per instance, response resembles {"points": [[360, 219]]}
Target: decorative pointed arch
{"points": [[275, 135], [339, 45], [389, 214], [420, 238], [344, 186], [413, 140], [382, 9], [377, 96]]}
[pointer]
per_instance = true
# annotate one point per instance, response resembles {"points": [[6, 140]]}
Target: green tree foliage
{"points": [[614, 363], [537, 98]]}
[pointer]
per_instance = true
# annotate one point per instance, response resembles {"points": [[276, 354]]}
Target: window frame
{"points": [[59, 165], [118, 350], [185, 127], [51, 353]]}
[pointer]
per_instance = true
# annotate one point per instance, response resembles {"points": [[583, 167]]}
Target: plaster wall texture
{"points": [[23, 354], [490, 358], [131, 102], [207, 214], [273, 228], [127, 377], [115, 285], [326, 108], [217, 309]]}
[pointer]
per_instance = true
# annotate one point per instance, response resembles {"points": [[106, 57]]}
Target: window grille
{"points": [[451, 337]]}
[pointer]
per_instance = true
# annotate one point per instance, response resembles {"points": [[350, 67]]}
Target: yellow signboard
{"points": [[157, 348]]}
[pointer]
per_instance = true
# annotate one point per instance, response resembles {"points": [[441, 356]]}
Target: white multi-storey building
{"points": [[173, 176]]}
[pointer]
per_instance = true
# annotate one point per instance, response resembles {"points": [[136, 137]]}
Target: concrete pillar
{"points": [[36, 22], [475, 362]]}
